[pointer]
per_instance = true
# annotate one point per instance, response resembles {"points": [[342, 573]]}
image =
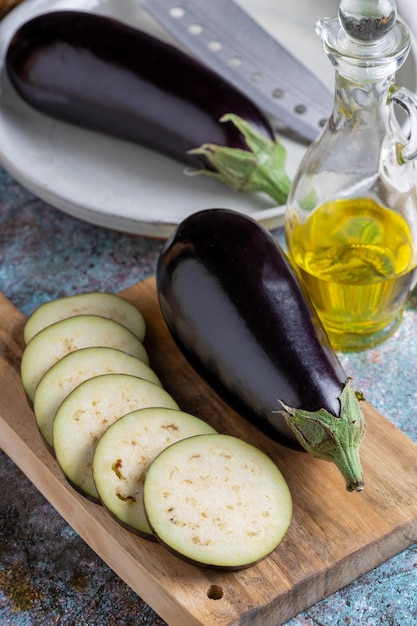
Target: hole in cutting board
{"points": [[215, 592]]}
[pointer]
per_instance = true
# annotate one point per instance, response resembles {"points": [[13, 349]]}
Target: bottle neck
{"points": [[364, 103]]}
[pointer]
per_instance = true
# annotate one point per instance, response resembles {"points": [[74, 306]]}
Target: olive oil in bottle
{"points": [[356, 261], [351, 219]]}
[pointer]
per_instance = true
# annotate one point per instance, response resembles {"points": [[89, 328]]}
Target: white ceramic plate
{"points": [[123, 186]]}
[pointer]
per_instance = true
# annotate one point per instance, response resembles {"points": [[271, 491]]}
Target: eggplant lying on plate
{"points": [[238, 313], [102, 74]]}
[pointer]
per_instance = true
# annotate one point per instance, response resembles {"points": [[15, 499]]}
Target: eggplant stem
{"points": [[260, 168], [331, 438]]}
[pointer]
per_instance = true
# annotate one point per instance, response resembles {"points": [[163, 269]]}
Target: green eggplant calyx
{"points": [[335, 439], [261, 168]]}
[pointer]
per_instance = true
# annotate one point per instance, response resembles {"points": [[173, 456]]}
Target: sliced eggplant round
{"points": [[107, 305], [124, 453], [217, 501], [68, 335], [73, 369], [88, 411]]}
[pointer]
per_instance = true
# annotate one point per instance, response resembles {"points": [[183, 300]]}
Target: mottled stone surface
{"points": [[47, 573]]}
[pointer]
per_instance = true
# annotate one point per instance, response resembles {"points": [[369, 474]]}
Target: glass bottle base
{"points": [[352, 341]]}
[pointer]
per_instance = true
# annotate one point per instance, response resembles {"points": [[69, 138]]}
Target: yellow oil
{"points": [[356, 260]]}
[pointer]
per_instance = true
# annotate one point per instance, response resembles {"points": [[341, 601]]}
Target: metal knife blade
{"points": [[227, 39]]}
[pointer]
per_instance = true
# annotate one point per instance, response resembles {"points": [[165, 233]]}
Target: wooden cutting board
{"points": [[335, 536]]}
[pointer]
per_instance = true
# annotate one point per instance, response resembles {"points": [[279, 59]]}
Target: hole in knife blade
{"points": [[278, 93], [215, 45], [195, 29], [300, 109], [256, 77], [177, 12], [235, 61]]}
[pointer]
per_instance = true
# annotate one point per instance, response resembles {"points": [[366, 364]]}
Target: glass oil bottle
{"points": [[351, 221]]}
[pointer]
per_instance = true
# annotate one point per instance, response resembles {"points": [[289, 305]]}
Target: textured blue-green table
{"points": [[48, 575]]}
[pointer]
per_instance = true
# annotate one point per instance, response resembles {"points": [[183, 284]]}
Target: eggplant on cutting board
{"points": [[99, 73], [237, 311]]}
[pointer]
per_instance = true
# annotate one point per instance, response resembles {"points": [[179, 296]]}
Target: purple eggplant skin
{"points": [[98, 73], [236, 310]]}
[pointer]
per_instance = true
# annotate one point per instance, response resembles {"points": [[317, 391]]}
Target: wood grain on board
{"points": [[334, 537]]}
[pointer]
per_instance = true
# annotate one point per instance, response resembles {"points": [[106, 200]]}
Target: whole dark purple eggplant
{"points": [[102, 74], [236, 310]]}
